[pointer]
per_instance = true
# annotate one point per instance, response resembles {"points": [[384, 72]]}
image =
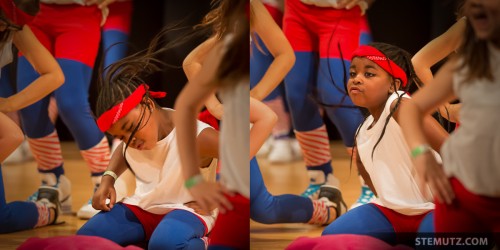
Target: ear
{"points": [[397, 84]]}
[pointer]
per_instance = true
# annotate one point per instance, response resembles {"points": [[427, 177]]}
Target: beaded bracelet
{"points": [[193, 181], [419, 150], [110, 173]]}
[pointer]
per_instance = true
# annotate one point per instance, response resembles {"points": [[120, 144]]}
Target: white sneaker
{"points": [[15, 157], [281, 151], [28, 156], [62, 184], [266, 147], [87, 211], [297, 151]]}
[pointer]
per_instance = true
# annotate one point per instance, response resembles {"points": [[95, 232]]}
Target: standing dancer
{"points": [[70, 30], [465, 186], [323, 35], [14, 15]]}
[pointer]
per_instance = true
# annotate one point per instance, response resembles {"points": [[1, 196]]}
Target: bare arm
{"points": [[435, 51], [188, 104], [51, 76], [192, 65], [278, 46], [432, 130], [263, 120], [412, 123]]}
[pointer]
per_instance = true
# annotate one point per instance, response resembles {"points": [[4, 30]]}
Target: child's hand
{"points": [[105, 190], [210, 195], [197, 208], [433, 174]]}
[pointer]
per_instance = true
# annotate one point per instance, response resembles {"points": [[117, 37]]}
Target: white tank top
{"points": [[234, 133], [391, 169], [472, 152], [163, 187]]}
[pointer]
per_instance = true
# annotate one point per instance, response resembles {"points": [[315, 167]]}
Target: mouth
{"points": [[479, 19], [354, 90]]}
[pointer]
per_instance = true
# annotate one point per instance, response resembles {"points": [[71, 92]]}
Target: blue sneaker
{"points": [[317, 179], [366, 196]]}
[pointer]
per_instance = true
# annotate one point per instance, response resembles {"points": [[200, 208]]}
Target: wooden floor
{"points": [[21, 180]]}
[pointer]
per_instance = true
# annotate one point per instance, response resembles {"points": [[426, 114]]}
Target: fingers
{"points": [[112, 199]]}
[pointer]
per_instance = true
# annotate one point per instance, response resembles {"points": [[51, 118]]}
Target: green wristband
{"points": [[193, 181], [419, 150]]}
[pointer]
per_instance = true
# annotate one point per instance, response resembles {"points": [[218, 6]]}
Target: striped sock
{"points": [[47, 151], [321, 213], [43, 214], [97, 157], [315, 146]]}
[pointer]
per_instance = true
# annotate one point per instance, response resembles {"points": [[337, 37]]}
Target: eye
{"points": [[352, 74], [368, 74]]}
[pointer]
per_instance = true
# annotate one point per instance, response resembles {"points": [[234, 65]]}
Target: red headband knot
{"points": [[111, 116], [381, 60], [13, 13]]}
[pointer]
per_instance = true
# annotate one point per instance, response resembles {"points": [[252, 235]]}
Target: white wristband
{"points": [[110, 173]]}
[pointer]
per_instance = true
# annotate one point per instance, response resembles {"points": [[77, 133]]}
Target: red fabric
{"points": [[111, 116], [148, 220], [209, 119], [468, 213], [381, 60], [275, 13], [232, 229], [74, 242], [402, 223], [69, 31], [311, 28], [15, 14], [119, 17], [343, 242]]}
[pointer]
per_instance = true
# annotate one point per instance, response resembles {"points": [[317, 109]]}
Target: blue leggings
{"points": [[72, 103], [305, 79], [179, 229], [259, 63], [369, 220], [17, 215], [268, 209]]}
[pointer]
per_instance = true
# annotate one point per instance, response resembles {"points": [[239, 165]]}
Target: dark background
{"points": [[409, 24]]}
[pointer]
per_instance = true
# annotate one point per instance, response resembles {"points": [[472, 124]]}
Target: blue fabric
{"points": [[6, 88], [115, 46], [16, 216], [179, 229], [260, 61], [72, 103], [268, 209]]}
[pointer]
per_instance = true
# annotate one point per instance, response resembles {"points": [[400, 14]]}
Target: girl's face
{"points": [[146, 135], [484, 16], [369, 85]]}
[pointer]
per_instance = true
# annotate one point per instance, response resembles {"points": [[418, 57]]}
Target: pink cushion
{"points": [[74, 242], [343, 242]]}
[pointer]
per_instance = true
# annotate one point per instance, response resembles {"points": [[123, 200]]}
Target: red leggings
{"points": [[468, 213], [232, 229]]}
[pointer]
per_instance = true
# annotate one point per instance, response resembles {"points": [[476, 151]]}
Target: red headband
{"points": [[379, 58], [16, 15], [110, 117]]}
